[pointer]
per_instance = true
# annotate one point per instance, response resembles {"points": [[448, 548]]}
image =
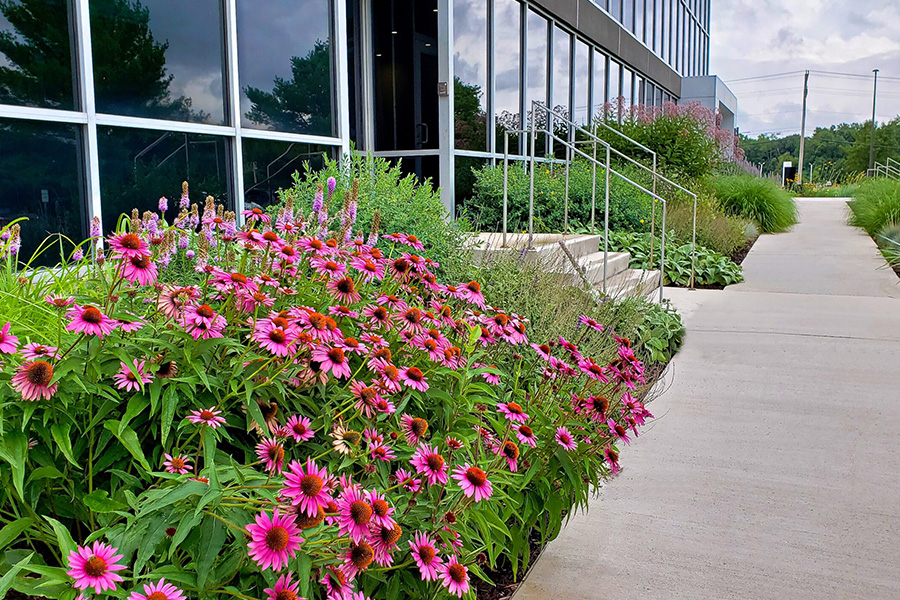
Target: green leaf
{"points": [[188, 521], [212, 538], [256, 414], [173, 494], [169, 403], [7, 580], [13, 448], [136, 405], [129, 439], [304, 566], [12, 531], [100, 502], [209, 456], [49, 472], [63, 537], [60, 433]]}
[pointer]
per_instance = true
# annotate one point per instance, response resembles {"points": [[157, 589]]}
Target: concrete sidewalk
{"points": [[773, 469]]}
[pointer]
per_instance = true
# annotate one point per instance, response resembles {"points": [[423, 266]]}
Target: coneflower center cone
{"points": [[206, 311], [277, 539], [95, 566], [177, 464], [510, 450], [514, 408], [283, 595], [418, 426], [317, 321], [415, 374], [380, 508], [311, 485], [157, 596], [277, 336], [435, 462], [91, 315], [457, 572], [345, 285], [39, 373], [360, 512], [476, 476], [426, 553], [336, 355], [526, 430], [130, 241], [361, 555], [390, 535]]}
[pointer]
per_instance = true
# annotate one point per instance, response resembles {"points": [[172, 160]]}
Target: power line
{"points": [[762, 77]]}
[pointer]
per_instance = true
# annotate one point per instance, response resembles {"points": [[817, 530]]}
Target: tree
{"points": [[301, 104]]}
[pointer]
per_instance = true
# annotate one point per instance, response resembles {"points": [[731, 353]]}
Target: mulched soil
{"points": [[740, 254]]}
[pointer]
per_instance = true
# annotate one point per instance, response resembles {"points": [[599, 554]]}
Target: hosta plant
{"points": [[285, 409]]}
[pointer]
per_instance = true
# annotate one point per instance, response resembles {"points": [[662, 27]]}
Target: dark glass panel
{"points": [[137, 166], [470, 67], [285, 64], [465, 182], [598, 81], [627, 88], [40, 179], [536, 60], [559, 94], [581, 108], [36, 53], [269, 166], [160, 59], [614, 84], [507, 62]]}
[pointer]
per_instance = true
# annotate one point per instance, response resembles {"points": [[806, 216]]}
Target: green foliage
{"points": [[402, 202], [628, 206], [889, 240], [760, 200], [710, 268], [875, 204], [661, 333], [715, 230]]}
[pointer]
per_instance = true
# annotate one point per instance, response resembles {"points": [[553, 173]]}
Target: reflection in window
{"points": [[614, 87], [285, 65], [581, 109], [40, 180], [159, 59], [35, 54], [507, 21], [470, 68], [627, 88], [269, 166], [464, 187], [559, 94], [638, 90], [628, 14], [599, 84], [615, 9], [536, 61], [639, 29], [138, 166]]}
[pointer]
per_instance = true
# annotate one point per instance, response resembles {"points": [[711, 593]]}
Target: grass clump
{"points": [[757, 199], [875, 205]]}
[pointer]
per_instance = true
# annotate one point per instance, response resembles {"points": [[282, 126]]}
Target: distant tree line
{"points": [[836, 153]]}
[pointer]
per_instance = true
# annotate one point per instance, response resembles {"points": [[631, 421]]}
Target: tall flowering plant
{"points": [[288, 409]]}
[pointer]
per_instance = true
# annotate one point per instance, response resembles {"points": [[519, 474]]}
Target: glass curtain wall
{"points": [[229, 96]]}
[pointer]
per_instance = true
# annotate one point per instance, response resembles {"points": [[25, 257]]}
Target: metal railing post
{"points": [[693, 242], [662, 253], [566, 195], [594, 187], [531, 190], [505, 182], [606, 221]]}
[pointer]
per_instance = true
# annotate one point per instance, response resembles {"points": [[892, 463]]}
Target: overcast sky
{"points": [[765, 37]]}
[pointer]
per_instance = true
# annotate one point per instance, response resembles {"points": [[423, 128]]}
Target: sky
{"points": [[754, 38]]}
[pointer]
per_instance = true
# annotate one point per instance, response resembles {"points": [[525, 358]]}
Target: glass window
{"points": [[160, 59], [627, 88], [36, 54], [581, 109], [269, 166], [41, 180], [628, 14], [507, 21], [658, 27], [559, 97], [137, 166], [464, 188], [536, 62], [638, 90], [470, 68], [285, 65], [615, 91], [639, 29], [658, 98], [598, 81], [615, 9]]}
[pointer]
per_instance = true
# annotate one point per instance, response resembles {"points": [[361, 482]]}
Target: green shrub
{"points": [[875, 204], [403, 202], [889, 240], [661, 332], [710, 268], [628, 206], [758, 199], [715, 230]]}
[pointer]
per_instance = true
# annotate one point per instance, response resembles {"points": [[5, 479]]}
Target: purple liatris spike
{"points": [[78, 254], [332, 184], [163, 204], [183, 241], [318, 201], [96, 228], [323, 216], [351, 210], [189, 254]]}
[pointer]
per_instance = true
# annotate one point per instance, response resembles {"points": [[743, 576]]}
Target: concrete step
{"points": [[593, 265], [631, 282]]}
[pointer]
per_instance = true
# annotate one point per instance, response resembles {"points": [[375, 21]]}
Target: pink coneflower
{"points": [[37, 351], [411, 320], [336, 585], [357, 558], [382, 452], [510, 452], [490, 376], [255, 214], [158, 591], [368, 268], [275, 340], [618, 431], [128, 246], [271, 452], [413, 378], [177, 464], [332, 359], [391, 301], [585, 320], [8, 343], [284, 589], [410, 484], [308, 486], [591, 369], [424, 552], [203, 322], [173, 301], [209, 416], [472, 293], [342, 311], [453, 443], [428, 462], [354, 514], [59, 301], [414, 428], [95, 567], [132, 379], [344, 290], [525, 435], [386, 539], [329, 268], [565, 439], [473, 481], [381, 510], [130, 326], [299, 428], [543, 350], [366, 398], [454, 576], [512, 411], [140, 270], [378, 316], [89, 321], [32, 380], [612, 457], [274, 540]]}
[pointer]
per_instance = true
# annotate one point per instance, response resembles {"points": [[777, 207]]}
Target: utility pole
{"points": [[803, 128], [872, 141]]}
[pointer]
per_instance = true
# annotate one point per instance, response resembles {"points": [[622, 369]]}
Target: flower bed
{"points": [[281, 411]]}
